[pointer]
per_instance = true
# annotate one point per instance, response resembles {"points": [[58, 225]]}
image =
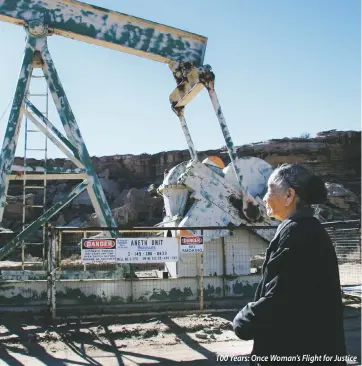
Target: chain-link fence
{"points": [[225, 268], [346, 237], [228, 268]]}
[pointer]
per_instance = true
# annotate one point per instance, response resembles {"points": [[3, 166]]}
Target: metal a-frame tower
{"points": [[182, 51]]}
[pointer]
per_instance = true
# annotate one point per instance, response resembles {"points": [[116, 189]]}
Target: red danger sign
{"points": [[99, 244], [192, 240]]}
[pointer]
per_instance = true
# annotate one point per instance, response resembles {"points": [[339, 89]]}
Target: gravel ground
{"points": [[163, 340]]}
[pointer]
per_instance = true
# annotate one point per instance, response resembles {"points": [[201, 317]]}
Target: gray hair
{"points": [[308, 187]]}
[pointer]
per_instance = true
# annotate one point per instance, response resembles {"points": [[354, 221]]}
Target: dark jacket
{"points": [[297, 308]]}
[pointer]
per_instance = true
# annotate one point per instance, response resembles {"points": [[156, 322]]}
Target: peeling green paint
{"points": [[115, 300], [55, 131], [225, 131], [142, 299], [92, 183], [14, 123], [25, 275], [110, 29], [175, 294], [78, 297], [212, 292], [20, 294], [73, 133], [244, 289], [90, 275]]}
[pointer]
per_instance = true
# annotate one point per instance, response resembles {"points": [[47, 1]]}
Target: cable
{"points": [[5, 110]]}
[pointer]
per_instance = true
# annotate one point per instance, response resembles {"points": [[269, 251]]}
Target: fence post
{"points": [[51, 268], [223, 265], [59, 249], [202, 276], [84, 237], [54, 243]]}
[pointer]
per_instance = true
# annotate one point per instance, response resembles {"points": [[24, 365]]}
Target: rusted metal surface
{"points": [[189, 84]]}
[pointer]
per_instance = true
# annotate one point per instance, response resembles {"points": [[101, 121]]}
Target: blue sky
{"points": [[282, 68]]}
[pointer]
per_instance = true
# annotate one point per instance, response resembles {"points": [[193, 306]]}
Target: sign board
{"points": [[130, 250], [147, 250], [192, 244], [98, 250]]}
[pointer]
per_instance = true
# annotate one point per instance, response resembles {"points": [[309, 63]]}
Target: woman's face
{"points": [[278, 202]]}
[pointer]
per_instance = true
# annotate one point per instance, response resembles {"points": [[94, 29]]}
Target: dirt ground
{"points": [[198, 339]]}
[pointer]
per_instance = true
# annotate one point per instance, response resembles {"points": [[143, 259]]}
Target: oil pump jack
{"points": [[221, 194]]}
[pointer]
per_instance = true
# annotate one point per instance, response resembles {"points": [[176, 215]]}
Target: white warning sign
{"points": [[147, 250], [192, 244], [98, 250]]}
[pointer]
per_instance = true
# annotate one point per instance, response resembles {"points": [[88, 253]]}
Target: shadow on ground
{"points": [[24, 336]]}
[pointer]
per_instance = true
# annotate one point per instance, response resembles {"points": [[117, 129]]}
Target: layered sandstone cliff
{"points": [[129, 181]]}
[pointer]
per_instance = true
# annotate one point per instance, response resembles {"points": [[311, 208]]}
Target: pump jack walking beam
{"points": [[106, 28], [183, 51], [93, 25]]}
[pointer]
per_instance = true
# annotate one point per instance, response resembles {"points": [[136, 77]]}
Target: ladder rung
{"points": [[37, 76], [34, 187], [36, 206], [33, 131], [37, 95], [36, 149], [40, 263], [33, 243]]}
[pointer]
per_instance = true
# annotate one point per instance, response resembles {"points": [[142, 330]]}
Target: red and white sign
{"points": [[98, 244], [192, 240], [98, 250], [192, 244]]}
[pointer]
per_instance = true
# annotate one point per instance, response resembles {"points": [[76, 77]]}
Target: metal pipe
{"points": [[47, 133], [73, 133], [181, 115], [53, 274], [84, 237], [202, 277], [223, 265], [51, 127], [60, 238], [225, 131]]}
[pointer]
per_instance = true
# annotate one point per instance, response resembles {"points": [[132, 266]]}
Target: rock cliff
{"points": [[129, 181]]}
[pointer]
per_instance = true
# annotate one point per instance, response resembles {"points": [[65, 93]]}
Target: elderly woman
{"points": [[297, 314]]}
